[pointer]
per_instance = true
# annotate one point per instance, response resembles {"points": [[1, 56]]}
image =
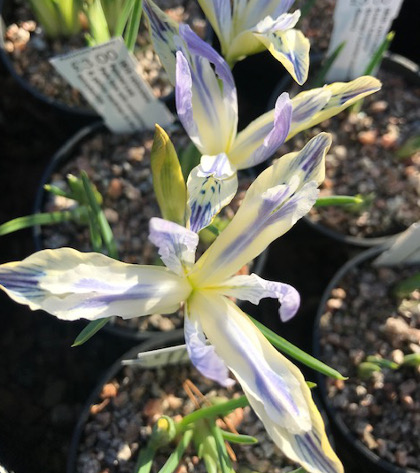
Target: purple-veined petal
{"points": [[291, 48], [274, 386], [219, 14], [211, 186], [73, 285], [252, 288], [280, 196], [163, 31], [202, 355], [340, 95], [253, 149], [256, 364], [247, 13], [205, 97], [176, 244], [283, 22]]}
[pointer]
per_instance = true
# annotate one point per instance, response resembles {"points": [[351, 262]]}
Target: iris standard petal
{"points": [[163, 31], [253, 288], [203, 355], [253, 148], [291, 48], [209, 112], [176, 244], [211, 186], [258, 367], [280, 195], [73, 285], [219, 14], [341, 96]]}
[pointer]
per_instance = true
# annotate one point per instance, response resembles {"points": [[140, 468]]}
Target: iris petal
{"points": [[73, 285]]}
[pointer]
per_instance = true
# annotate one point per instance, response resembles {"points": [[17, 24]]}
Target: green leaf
{"points": [[133, 25], [50, 218], [379, 54], [217, 410], [145, 460], [319, 80], [311, 385], [338, 200], [189, 159], [90, 330], [100, 222], [406, 287], [382, 362], [176, 456], [168, 182], [120, 19], [365, 370], [57, 191], [411, 360], [223, 456], [295, 352], [411, 146], [98, 25], [238, 438]]}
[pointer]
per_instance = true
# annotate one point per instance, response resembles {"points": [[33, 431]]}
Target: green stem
{"points": [[175, 457], [216, 410]]}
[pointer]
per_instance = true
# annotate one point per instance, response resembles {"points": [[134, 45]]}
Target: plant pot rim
{"points": [[73, 112], [374, 460], [161, 340], [61, 156], [394, 62]]}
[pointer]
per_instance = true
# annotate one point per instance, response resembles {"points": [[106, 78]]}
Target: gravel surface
{"points": [[30, 51], [363, 318], [120, 423], [363, 161]]}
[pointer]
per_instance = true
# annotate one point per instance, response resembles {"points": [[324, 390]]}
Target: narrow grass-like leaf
{"points": [[223, 456], [238, 438], [413, 359], [122, 19], [50, 218], [411, 146], [145, 460], [319, 79], [382, 362], [373, 64], [89, 331], [213, 411], [99, 216], [406, 287], [338, 200], [295, 352], [176, 456], [57, 191], [189, 159], [98, 25], [311, 385], [133, 25]]}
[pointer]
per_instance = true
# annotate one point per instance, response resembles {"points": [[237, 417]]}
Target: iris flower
{"points": [[207, 107], [73, 285], [246, 27]]}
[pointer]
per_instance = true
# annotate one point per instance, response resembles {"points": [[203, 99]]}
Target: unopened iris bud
{"points": [[163, 432]]}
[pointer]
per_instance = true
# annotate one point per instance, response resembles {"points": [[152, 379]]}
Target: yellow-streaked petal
{"points": [[343, 94], [291, 48], [280, 195], [73, 285], [274, 386]]}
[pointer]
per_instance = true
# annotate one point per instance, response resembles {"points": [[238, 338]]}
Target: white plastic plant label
{"points": [[362, 25], [405, 249], [107, 77], [161, 357]]}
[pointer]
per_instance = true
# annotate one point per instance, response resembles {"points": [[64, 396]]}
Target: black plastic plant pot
{"points": [[392, 63], [353, 450], [75, 117], [65, 155], [160, 341]]}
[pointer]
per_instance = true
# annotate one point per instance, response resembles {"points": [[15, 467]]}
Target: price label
{"points": [[107, 76], [362, 25]]}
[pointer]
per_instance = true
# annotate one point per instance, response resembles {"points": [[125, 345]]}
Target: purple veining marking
{"points": [[270, 385], [96, 285], [200, 215], [307, 108], [350, 95], [137, 292], [311, 155], [252, 231], [312, 453]]}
